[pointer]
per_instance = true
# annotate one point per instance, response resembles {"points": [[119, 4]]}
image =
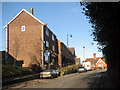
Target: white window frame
{"points": [[47, 44], [23, 28]]}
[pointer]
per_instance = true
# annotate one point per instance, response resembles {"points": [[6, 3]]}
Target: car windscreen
{"points": [[81, 67], [47, 70]]}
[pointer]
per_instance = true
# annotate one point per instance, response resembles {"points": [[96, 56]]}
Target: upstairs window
{"points": [[53, 37], [100, 65], [23, 28], [53, 47], [47, 44], [47, 32]]}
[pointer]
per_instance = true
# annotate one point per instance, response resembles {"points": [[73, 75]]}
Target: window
{"points": [[47, 32], [100, 65], [99, 60], [53, 37], [46, 59], [47, 44], [23, 28], [53, 47]]}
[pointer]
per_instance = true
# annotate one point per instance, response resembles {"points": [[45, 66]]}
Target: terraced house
{"points": [[29, 40], [97, 62], [65, 57]]}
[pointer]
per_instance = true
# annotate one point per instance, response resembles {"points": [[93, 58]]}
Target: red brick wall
{"points": [[27, 42], [59, 55], [49, 39], [100, 63]]}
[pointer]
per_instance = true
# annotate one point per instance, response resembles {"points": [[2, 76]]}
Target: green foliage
{"points": [[35, 68], [69, 69], [12, 71], [104, 18]]}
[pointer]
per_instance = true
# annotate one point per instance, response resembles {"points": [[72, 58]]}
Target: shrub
{"points": [[69, 69], [12, 71], [64, 71], [36, 68]]}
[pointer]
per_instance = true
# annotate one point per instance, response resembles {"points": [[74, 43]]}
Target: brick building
{"points": [[97, 62], [65, 56], [77, 61], [50, 48], [72, 50], [27, 39]]}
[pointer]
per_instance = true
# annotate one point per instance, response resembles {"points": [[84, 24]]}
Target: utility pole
{"points": [[67, 40]]}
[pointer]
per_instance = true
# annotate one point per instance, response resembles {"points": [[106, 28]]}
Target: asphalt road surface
{"points": [[74, 80]]}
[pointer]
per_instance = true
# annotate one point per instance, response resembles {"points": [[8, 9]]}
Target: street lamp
{"points": [[83, 53], [67, 39]]}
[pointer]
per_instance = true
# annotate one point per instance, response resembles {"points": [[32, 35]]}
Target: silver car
{"points": [[48, 73], [82, 69]]}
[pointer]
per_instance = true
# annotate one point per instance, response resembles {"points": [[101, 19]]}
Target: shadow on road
{"points": [[93, 79]]}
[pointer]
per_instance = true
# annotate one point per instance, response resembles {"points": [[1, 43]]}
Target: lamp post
{"points": [[83, 53], [67, 39]]}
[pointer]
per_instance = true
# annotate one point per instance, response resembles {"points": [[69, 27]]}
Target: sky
{"points": [[62, 18]]}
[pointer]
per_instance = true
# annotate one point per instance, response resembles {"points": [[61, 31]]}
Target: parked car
{"points": [[82, 69], [92, 68], [48, 73]]}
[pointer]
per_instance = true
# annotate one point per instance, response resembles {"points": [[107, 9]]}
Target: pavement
{"points": [[105, 81]]}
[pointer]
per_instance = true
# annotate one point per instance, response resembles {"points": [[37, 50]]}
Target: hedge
{"points": [[69, 69], [12, 71]]}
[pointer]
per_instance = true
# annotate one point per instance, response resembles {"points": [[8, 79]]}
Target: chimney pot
{"points": [[31, 11], [45, 24], [94, 55]]}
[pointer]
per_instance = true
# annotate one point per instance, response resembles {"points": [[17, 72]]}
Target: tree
{"points": [[104, 18]]}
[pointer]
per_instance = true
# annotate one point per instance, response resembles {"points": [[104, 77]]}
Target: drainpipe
{"points": [[7, 38], [43, 46], [6, 42]]}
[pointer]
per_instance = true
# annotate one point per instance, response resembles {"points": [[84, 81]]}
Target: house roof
{"points": [[77, 58], [100, 60], [27, 13], [95, 60], [72, 50]]}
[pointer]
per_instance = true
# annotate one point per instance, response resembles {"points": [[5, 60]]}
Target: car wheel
{"points": [[56, 75], [51, 77]]}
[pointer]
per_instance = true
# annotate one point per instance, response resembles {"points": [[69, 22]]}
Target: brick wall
{"points": [[59, 55], [25, 45], [100, 64]]}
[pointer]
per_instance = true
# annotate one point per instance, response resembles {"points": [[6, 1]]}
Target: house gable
{"points": [[23, 10], [99, 61]]}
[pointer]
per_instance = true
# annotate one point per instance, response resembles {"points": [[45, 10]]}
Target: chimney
{"points": [[45, 24], [94, 55], [31, 11]]}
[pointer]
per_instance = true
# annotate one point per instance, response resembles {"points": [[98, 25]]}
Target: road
{"points": [[74, 80]]}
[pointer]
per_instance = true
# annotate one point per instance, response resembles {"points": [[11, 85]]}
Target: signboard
{"points": [[53, 55], [47, 53]]}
